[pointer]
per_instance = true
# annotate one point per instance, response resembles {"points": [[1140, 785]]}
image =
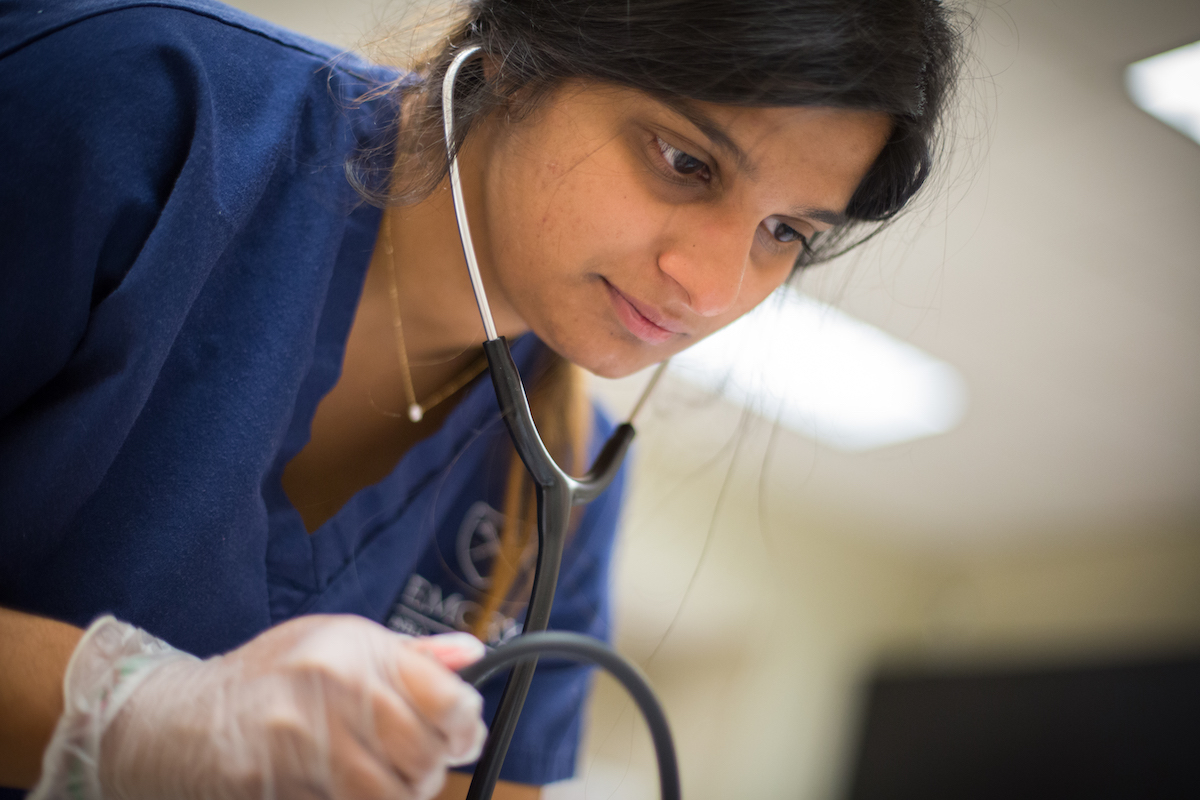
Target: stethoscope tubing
{"points": [[576, 647], [556, 490]]}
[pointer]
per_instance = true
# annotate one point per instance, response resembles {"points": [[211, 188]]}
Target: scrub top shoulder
{"points": [[181, 256]]}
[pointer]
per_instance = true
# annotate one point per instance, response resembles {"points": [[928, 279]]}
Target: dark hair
{"points": [[899, 57]]}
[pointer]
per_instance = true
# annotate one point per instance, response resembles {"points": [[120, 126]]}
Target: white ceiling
{"points": [[1058, 270]]}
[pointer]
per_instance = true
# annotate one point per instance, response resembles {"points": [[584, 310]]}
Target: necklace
{"points": [[417, 411]]}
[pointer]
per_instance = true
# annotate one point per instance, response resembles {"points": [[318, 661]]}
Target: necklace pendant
{"points": [[415, 412]]}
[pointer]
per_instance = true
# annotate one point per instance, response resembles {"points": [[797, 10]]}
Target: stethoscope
{"points": [[557, 492]]}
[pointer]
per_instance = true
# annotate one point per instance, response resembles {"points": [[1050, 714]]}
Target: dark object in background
{"points": [[1128, 731]]}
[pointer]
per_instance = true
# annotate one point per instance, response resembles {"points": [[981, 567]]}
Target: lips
{"points": [[644, 322]]}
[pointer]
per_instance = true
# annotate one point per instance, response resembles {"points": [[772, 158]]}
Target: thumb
{"points": [[453, 650]]}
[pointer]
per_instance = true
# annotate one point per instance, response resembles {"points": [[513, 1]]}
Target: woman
{"points": [[238, 406]]}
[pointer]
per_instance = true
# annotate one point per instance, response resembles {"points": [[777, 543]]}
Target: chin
{"points": [[620, 364], [605, 353], [611, 371]]}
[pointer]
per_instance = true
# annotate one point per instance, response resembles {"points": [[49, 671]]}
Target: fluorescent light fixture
{"points": [[1167, 86], [826, 375]]}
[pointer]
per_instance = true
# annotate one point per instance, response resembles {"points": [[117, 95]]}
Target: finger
{"points": [[359, 775], [398, 726], [417, 753], [443, 700], [453, 650], [414, 746], [471, 745], [411, 746]]}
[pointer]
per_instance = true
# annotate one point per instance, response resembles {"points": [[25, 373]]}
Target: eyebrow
{"points": [[713, 130], [833, 218]]}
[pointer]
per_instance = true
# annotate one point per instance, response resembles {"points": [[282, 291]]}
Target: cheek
{"points": [[574, 222], [757, 288]]}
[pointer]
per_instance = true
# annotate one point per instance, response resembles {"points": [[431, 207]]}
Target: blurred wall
{"points": [[793, 605]]}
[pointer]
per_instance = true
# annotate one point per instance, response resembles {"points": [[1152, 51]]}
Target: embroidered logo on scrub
{"points": [[479, 542], [425, 607]]}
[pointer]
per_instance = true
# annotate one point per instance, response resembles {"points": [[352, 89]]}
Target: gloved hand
{"points": [[317, 707]]}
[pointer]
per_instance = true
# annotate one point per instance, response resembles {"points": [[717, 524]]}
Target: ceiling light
{"points": [[826, 375], [1167, 86]]}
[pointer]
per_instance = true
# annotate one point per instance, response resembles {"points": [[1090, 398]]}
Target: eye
{"points": [[782, 232], [681, 162]]}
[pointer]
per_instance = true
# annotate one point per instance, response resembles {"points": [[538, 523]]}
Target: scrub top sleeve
{"points": [[94, 131]]}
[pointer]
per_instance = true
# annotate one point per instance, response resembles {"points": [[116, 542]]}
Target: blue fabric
{"points": [[181, 257]]}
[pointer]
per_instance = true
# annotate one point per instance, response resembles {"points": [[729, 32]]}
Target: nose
{"points": [[708, 259]]}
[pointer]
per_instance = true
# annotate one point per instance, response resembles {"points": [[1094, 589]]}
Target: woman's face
{"points": [[622, 229]]}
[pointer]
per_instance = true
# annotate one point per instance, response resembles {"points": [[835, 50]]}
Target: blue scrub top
{"points": [[181, 257]]}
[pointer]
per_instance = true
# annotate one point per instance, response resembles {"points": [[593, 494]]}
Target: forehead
{"points": [[747, 127]]}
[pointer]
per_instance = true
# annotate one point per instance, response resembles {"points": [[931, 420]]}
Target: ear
{"points": [[490, 68], [508, 105]]}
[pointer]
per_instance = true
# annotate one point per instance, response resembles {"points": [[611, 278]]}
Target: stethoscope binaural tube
{"points": [[557, 491]]}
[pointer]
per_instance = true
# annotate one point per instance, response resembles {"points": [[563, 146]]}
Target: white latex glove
{"points": [[317, 707]]}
